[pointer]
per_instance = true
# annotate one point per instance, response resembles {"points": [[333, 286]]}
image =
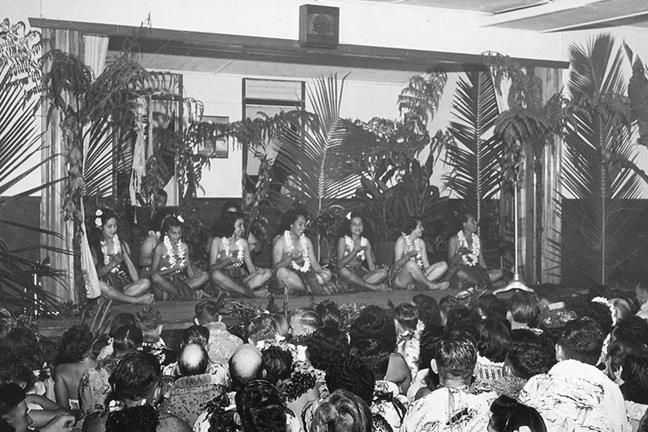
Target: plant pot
{"points": [[384, 252]]}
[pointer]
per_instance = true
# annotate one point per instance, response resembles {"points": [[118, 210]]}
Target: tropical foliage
{"points": [[19, 146], [599, 169], [476, 153]]}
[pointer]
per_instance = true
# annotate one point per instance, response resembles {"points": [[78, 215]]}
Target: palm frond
{"points": [[477, 152]]}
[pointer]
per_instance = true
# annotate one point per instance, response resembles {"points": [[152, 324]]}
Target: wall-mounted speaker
{"points": [[319, 26]]}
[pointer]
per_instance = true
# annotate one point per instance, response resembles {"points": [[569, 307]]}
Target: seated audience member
{"points": [[261, 409], [136, 390], [523, 312], [230, 263], [446, 304], [425, 381], [574, 394], [428, 309], [355, 260], [411, 267], [342, 411], [245, 365], [262, 329], [631, 328], [508, 415], [150, 322], [528, 355], [622, 308], [74, 358], [15, 416], [450, 406], [304, 321], [466, 260], [493, 307], [172, 270], [408, 335], [634, 386], [222, 343], [641, 290], [329, 312], [195, 387], [601, 311], [196, 334], [355, 375], [94, 387], [617, 352], [493, 340], [325, 346], [23, 346], [294, 259], [118, 276]]}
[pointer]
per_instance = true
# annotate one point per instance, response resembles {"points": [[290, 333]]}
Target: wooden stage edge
{"points": [[179, 314]]}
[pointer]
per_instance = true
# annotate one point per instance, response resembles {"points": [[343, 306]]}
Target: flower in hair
{"points": [[610, 306], [98, 222], [99, 212], [348, 216], [180, 219]]}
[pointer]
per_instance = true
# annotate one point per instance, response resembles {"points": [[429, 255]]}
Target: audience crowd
{"points": [[483, 363]]}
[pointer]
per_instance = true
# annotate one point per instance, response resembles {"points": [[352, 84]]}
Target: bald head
{"points": [[245, 364], [193, 360]]}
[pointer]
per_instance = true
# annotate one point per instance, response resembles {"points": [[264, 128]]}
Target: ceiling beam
{"points": [[227, 46]]}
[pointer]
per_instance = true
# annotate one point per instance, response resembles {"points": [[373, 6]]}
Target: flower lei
{"points": [[115, 250], [173, 256], [350, 245], [610, 306], [472, 258], [414, 246], [302, 238], [227, 247]]}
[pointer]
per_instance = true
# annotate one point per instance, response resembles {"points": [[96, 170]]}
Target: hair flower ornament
{"points": [[97, 222], [99, 212], [610, 306], [348, 216], [180, 218]]}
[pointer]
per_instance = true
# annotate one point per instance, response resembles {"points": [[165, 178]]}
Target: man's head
{"points": [[150, 322], [455, 358], [582, 340], [13, 408], [523, 309], [528, 354], [193, 360], [208, 311], [245, 365]]}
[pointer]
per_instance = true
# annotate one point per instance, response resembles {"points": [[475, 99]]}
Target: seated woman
{"points": [[411, 266], [294, 259], [230, 264], [353, 251], [171, 269], [118, 278], [73, 359], [467, 265]]}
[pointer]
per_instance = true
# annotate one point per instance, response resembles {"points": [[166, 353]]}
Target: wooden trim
{"points": [[227, 46]]}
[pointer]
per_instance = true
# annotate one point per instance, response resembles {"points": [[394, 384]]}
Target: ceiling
{"points": [[547, 15]]}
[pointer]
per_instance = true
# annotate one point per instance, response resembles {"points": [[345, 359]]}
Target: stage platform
{"points": [[179, 314]]}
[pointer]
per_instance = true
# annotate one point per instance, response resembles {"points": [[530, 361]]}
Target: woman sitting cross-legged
{"points": [[411, 266], [171, 269], [230, 264], [294, 259], [467, 265], [118, 278], [353, 252]]}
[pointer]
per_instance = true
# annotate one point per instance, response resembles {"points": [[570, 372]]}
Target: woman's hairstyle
{"points": [[127, 338], [23, 343], [428, 309], [14, 369], [463, 218], [262, 328], [133, 419], [290, 217], [374, 323], [171, 221], [524, 308], [529, 354], [347, 225], [120, 320], [407, 315], [622, 348], [325, 346], [329, 311], [196, 334], [102, 216], [635, 377], [342, 411], [623, 308], [410, 224], [372, 354], [352, 374], [224, 226], [75, 345], [464, 319], [260, 407], [95, 235], [135, 377], [494, 337], [307, 317], [277, 363], [508, 415]]}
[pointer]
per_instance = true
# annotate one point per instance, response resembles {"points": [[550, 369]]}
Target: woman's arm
{"points": [[424, 257], [60, 389], [342, 260], [369, 257], [146, 251], [313, 258], [247, 257], [453, 248], [400, 257], [132, 271], [214, 262], [189, 266], [482, 262], [157, 259], [278, 258], [103, 270]]}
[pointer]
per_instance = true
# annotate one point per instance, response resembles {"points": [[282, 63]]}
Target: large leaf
{"points": [[476, 153], [599, 169]]}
